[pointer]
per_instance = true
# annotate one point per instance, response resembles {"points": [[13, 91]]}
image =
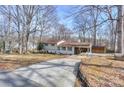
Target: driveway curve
{"points": [[52, 73]]}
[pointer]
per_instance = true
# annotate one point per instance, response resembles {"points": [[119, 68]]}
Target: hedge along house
{"points": [[66, 47]]}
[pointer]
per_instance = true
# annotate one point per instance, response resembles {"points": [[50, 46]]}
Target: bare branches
{"points": [[90, 23], [93, 18]]}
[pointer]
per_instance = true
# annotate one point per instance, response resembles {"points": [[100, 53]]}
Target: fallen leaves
{"points": [[103, 71]]}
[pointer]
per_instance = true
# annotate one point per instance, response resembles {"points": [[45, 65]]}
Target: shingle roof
{"points": [[67, 43], [74, 44], [51, 41]]}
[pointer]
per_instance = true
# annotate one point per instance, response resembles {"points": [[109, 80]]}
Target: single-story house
{"points": [[66, 47]]}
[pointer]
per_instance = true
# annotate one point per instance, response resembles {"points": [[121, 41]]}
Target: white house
{"points": [[66, 47]]}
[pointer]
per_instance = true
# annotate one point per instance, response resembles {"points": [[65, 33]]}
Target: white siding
{"points": [[66, 51], [54, 49], [50, 48]]}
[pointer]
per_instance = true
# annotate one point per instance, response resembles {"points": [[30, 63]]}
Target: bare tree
{"points": [[62, 33], [7, 27], [119, 33], [28, 24], [47, 19], [81, 24], [120, 30]]}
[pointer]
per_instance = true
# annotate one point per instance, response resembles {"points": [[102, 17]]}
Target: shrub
{"points": [[40, 46]]}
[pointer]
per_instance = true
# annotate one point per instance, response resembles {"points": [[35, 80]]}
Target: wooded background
{"points": [[22, 27]]}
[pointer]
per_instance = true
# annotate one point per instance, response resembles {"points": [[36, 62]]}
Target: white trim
{"points": [[60, 42]]}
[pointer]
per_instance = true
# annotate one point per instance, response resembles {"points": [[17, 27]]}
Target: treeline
{"points": [[99, 25], [22, 27]]}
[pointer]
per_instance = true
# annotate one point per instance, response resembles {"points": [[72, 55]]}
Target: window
{"points": [[63, 48], [69, 48]]}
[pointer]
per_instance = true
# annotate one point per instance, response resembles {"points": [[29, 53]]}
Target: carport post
{"points": [[90, 48]]}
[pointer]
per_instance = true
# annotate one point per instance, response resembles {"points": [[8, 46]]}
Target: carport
{"points": [[82, 48]]}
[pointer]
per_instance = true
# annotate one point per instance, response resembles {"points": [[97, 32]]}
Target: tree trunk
{"points": [[122, 25], [4, 47], [19, 41], [119, 28], [94, 35], [26, 46], [84, 36]]}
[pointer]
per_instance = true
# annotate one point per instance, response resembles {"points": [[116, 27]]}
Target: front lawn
{"points": [[11, 62], [103, 71]]}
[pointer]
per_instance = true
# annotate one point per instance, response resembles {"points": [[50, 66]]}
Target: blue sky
{"points": [[62, 12]]}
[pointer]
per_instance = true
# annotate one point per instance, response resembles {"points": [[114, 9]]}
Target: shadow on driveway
{"points": [[55, 73], [9, 79]]}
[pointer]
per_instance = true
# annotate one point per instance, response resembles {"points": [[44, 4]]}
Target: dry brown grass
{"points": [[11, 62], [103, 71]]}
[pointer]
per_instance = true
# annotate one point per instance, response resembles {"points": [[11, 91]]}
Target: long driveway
{"points": [[53, 73]]}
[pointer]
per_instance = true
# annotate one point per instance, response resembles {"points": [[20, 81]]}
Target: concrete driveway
{"points": [[10, 79], [53, 73]]}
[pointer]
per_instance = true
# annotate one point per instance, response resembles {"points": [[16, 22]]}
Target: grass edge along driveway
{"points": [[11, 62]]}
